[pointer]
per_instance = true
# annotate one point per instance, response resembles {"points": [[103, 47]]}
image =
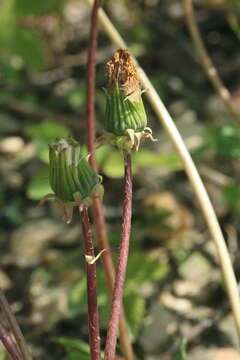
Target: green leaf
{"points": [[35, 7], [225, 140], [39, 186], [134, 306], [181, 352], [147, 158], [23, 43], [142, 269], [76, 98], [232, 195], [113, 162], [72, 344], [17, 40], [75, 349], [48, 130], [102, 155], [29, 47], [43, 134], [3, 355], [78, 297], [113, 167]]}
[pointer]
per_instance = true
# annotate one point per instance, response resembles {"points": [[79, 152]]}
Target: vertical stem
{"points": [[111, 341], [9, 344], [109, 271], [93, 319], [13, 324], [91, 74], [102, 237]]}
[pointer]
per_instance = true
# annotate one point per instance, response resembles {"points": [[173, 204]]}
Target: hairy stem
{"points": [[111, 341], [98, 213], [9, 344], [191, 171], [13, 325], [93, 319], [206, 61]]}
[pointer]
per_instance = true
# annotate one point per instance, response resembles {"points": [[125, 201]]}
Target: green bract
{"points": [[124, 112], [125, 120], [71, 177]]}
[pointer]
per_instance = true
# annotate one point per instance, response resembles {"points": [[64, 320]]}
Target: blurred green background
{"points": [[174, 288]]}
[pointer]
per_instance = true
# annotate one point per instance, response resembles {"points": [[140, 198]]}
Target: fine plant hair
{"points": [[98, 214], [206, 60], [191, 171]]}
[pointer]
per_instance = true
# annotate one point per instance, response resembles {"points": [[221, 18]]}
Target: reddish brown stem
{"points": [[13, 325], [93, 319], [9, 344], [102, 238], [111, 341], [91, 74], [109, 272]]}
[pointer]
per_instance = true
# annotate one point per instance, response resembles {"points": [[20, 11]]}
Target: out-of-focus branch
{"points": [[9, 344], [206, 61], [13, 325]]}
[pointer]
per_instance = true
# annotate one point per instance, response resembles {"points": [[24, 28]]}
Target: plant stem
{"points": [[9, 344], [98, 213], [206, 61], [91, 75], [13, 325], [109, 272], [111, 341], [93, 319], [192, 173]]}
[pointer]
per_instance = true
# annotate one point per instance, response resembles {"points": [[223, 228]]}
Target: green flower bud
{"points": [[125, 119], [72, 179]]}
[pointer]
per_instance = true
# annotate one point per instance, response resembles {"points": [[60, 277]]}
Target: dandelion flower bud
{"points": [[71, 177], [125, 119]]}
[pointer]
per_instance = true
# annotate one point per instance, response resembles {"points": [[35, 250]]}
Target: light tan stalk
{"points": [[206, 61]]}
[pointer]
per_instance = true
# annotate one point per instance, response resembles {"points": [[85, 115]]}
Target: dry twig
{"points": [[206, 61]]}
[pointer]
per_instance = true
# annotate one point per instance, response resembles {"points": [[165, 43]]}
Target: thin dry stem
{"points": [[13, 325], [191, 171], [206, 61], [9, 344], [102, 237], [111, 341]]}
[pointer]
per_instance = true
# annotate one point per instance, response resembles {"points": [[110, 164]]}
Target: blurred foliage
{"points": [[111, 161], [232, 195], [224, 140], [141, 271], [45, 133], [75, 349], [43, 47], [181, 352]]}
